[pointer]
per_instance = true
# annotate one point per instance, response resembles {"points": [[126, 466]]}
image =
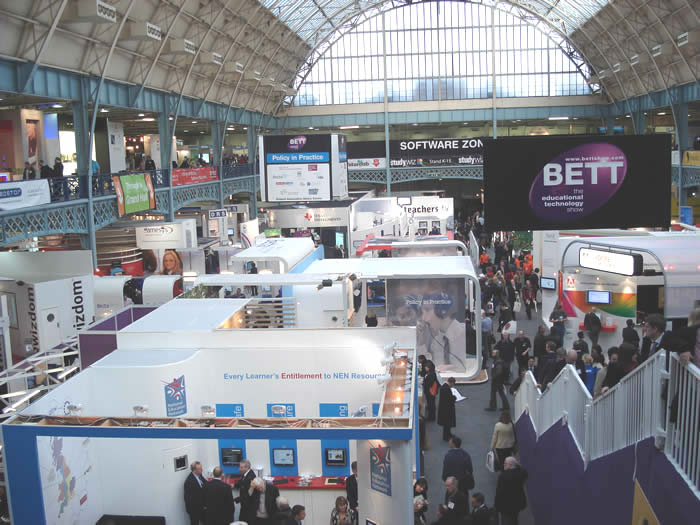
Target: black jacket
{"points": [[510, 491], [271, 495], [446, 416], [457, 463], [630, 335], [58, 169], [219, 501], [506, 349], [150, 164], [46, 172], [194, 495], [351, 490], [499, 372], [458, 505], [591, 322], [430, 378], [245, 498], [481, 516], [670, 342], [539, 347]]}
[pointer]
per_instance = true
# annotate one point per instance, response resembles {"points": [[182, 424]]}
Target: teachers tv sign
{"points": [[540, 183]]}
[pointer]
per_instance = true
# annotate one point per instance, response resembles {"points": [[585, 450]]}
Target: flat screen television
{"points": [[231, 457], [336, 457], [598, 297], [283, 457], [548, 283]]}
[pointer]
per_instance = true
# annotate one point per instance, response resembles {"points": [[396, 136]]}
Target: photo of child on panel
{"points": [[436, 308]]}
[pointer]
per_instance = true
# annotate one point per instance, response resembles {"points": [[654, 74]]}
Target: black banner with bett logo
{"points": [[573, 182]]}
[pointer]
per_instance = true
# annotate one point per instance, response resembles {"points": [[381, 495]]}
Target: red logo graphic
{"points": [[375, 162], [309, 216]]}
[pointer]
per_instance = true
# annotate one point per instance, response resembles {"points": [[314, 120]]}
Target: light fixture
{"points": [[414, 124], [66, 372], [103, 110], [390, 347], [56, 106], [661, 114], [142, 114], [349, 127], [186, 130], [14, 405], [311, 127], [208, 411], [74, 409], [245, 128], [558, 118], [147, 119], [170, 118], [361, 412]]}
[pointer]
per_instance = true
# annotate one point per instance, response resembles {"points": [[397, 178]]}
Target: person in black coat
{"points": [[218, 499], [445, 517], [430, 385], [351, 487], [458, 464], [499, 375], [481, 514], [194, 494], [629, 334], [45, 172], [510, 492], [247, 507], [456, 501], [259, 486], [58, 167], [592, 324], [447, 417]]}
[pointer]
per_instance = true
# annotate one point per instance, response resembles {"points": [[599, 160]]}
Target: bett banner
{"points": [[572, 182], [181, 177], [22, 194]]}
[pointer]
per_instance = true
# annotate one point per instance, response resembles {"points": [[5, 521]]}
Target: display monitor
{"points": [[231, 457], [598, 297], [339, 239], [283, 457], [336, 457], [548, 283]]}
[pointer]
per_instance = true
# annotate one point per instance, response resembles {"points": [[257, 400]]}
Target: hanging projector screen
{"points": [[579, 181]]}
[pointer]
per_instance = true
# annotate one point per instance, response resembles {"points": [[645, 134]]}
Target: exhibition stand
{"points": [[281, 255], [430, 246], [301, 405], [624, 275], [438, 295], [112, 293]]}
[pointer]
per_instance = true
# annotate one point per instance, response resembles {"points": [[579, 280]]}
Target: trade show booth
{"points": [[112, 293], [282, 255], [438, 295], [623, 274], [49, 297], [301, 405]]}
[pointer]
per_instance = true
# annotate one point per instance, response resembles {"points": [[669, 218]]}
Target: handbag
{"points": [[517, 305], [491, 461], [538, 296], [433, 389], [469, 483]]}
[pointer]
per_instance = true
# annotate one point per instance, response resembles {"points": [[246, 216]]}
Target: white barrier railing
{"points": [[629, 412], [642, 405], [683, 436]]}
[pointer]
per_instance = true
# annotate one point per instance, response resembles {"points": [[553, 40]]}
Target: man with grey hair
{"points": [[218, 499], [247, 513], [510, 491], [264, 498], [194, 494], [284, 511], [572, 358], [456, 501]]}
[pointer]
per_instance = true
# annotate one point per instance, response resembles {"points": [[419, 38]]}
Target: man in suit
{"points": [[458, 464], [218, 499], [298, 515], [456, 501], [481, 514], [351, 487], [194, 494], [243, 485], [264, 497], [656, 338], [499, 373], [591, 322], [447, 417]]}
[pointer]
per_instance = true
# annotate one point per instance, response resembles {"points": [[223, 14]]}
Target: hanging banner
{"points": [[577, 182], [371, 155], [134, 193], [380, 469], [22, 194], [181, 177]]}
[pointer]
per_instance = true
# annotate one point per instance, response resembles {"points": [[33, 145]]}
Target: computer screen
{"points": [[283, 457], [231, 457], [597, 297], [335, 457], [548, 283], [339, 239]]}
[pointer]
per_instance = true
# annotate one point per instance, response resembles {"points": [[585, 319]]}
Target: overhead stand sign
{"points": [[303, 168], [576, 182], [22, 194], [612, 262], [413, 153], [134, 193]]}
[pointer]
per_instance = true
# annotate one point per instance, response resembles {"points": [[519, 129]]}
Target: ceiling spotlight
{"points": [[194, 122], [142, 114], [140, 409], [170, 118], [208, 411], [245, 128], [103, 110], [56, 106], [147, 119]]}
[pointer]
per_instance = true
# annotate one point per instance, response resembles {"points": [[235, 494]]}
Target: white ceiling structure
{"points": [[253, 54]]}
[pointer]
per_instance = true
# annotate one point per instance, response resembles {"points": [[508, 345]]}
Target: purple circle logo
{"points": [[578, 182], [296, 143]]}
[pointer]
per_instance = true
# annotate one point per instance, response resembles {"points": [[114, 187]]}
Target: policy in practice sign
{"points": [[134, 193], [571, 182], [22, 194], [184, 176]]}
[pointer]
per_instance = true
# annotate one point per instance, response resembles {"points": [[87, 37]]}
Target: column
{"points": [[217, 140], [82, 150], [252, 152], [387, 151], [610, 124], [640, 122], [683, 144]]}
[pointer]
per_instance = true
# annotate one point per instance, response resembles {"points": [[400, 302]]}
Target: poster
{"points": [[22, 194], [298, 182], [572, 182], [436, 307], [134, 193], [175, 397], [380, 469], [161, 262], [182, 177], [32, 140]]}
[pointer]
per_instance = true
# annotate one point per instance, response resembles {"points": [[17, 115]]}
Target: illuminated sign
{"points": [[611, 262]]}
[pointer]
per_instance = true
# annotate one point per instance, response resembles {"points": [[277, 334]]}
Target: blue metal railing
{"points": [[232, 171]]}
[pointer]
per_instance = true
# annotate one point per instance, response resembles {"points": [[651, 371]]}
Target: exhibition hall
{"points": [[408, 262]]}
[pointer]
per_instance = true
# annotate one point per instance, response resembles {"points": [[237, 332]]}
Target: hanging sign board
{"points": [[134, 193], [22, 194], [611, 262]]}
